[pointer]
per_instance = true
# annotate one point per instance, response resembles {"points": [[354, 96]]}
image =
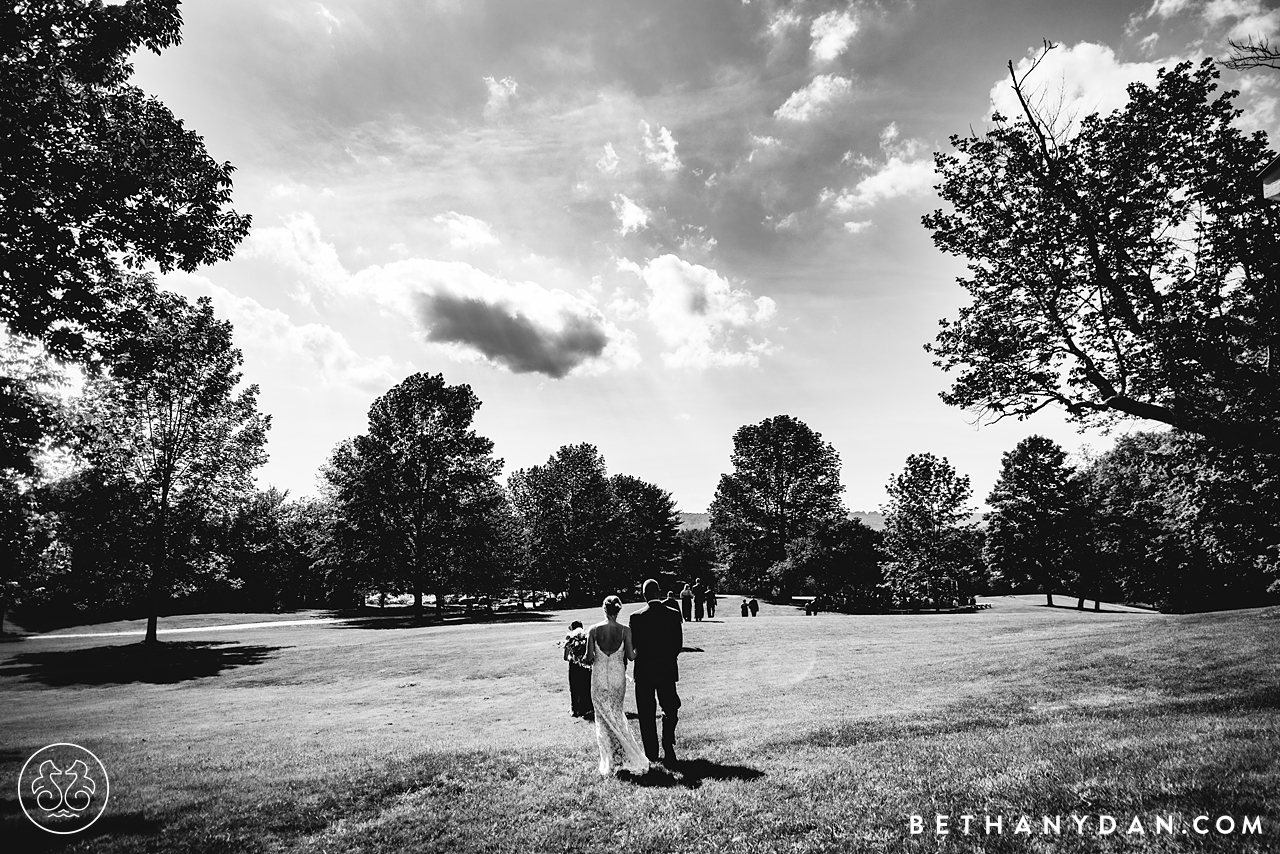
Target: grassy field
{"points": [[798, 734]]}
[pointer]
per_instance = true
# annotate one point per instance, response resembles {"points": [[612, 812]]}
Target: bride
{"points": [[608, 651]]}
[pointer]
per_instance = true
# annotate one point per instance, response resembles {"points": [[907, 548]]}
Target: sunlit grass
{"points": [[801, 734]]}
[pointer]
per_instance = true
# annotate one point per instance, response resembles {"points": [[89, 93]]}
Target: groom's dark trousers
{"points": [[658, 636]]}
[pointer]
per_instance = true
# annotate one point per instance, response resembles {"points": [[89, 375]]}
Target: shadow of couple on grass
{"points": [[690, 774]]}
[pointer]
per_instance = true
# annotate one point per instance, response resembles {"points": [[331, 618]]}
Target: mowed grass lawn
{"points": [[799, 734]]}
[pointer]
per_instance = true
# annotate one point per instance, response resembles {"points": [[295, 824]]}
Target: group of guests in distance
{"points": [[653, 639]]}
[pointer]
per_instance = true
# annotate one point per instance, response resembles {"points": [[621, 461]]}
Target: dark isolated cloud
{"points": [[511, 338]]}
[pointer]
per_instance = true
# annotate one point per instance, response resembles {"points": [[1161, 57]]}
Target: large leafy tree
{"points": [[927, 529], [785, 480], [1122, 267], [839, 562], [1184, 525], [1036, 524], [96, 177], [572, 519], [418, 487], [649, 528], [170, 420]]}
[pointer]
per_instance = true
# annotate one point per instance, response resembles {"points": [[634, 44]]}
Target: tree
{"points": [[1036, 521], [168, 421], [571, 519], [649, 528], [1126, 269], [785, 480], [1248, 54], [97, 178], [416, 485], [1183, 525], [29, 413], [926, 529], [698, 555], [839, 562]]}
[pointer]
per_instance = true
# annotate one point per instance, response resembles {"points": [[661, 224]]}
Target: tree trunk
{"points": [[159, 567], [417, 601], [440, 604], [1080, 603], [1048, 595]]}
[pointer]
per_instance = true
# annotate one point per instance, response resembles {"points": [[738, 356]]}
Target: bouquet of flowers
{"points": [[575, 646]]}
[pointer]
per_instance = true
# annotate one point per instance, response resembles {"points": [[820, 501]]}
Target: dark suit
{"points": [[658, 636]]}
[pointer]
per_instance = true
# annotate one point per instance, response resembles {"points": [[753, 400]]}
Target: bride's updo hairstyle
{"points": [[612, 605]]}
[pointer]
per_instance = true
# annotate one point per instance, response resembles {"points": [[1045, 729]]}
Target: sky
{"points": [[640, 224]]}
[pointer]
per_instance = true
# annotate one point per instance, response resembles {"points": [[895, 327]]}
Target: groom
{"points": [[657, 636]]}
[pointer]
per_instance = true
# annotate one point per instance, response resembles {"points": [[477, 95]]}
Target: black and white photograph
{"points": [[655, 426]]}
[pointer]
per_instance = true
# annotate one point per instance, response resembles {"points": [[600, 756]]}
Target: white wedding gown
{"points": [[619, 749]]}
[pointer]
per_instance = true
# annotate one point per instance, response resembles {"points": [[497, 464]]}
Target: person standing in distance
{"points": [[657, 636]]}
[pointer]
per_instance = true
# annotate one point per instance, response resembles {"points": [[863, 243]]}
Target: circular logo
{"points": [[63, 788]]}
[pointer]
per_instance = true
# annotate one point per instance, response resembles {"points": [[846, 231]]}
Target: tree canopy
{"points": [[419, 485], [1036, 522], [96, 177], [926, 529], [785, 480], [1125, 266], [169, 421]]}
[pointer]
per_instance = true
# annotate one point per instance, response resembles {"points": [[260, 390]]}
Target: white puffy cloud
{"points": [[812, 100], [631, 217], [1073, 82], [501, 92], [521, 326], [660, 148], [831, 34], [907, 170], [857, 226], [466, 232], [702, 319], [609, 163]]}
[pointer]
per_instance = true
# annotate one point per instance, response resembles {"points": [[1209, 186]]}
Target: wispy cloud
{"points": [[501, 93], [466, 232], [815, 98], [521, 326], [272, 333], [608, 164]]}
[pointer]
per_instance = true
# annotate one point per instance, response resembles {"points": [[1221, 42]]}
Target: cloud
{"points": [[896, 178], [1244, 18], [700, 317], [501, 92], [520, 326], [783, 22], [812, 100], [831, 34], [467, 232], [609, 163], [660, 150], [1073, 82], [507, 336], [907, 170], [631, 217], [265, 330], [330, 20], [857, 226]]}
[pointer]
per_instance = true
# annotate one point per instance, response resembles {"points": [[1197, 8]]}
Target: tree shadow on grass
{"points": [[155, 664], [20, 834], [690, 774]]}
